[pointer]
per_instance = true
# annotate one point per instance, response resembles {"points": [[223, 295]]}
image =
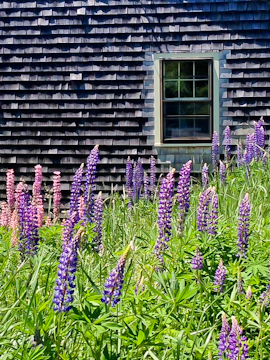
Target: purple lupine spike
{"points": [[129, 179], [223, 338], [65, 283], [164, 215], [76, 191], [227, 143], [215, 150], [90, 182], [220, 277], [222, 172], [98, 214], [138, 175], [243, 226], [238, 346], [205, 176], [146, 186], [114, 283], [203, 211], [197, 261], [183, 192], [213, 215], [153, 177], [240, 159], [249, 151]]}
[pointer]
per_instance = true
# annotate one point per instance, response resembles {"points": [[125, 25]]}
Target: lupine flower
{"points": [[197, 261], [4, 214], [56, 193], [220, 277], [243, 226], [76, 191], [153, 178], [223, 338], [129, 179], [98, 212], [114, 283], [65, 283], [37, 196], [240, 159], [222, 172], [81, 207], [249, 151], [90, 182], [164, 215], [183, 192], [237, 343], [146, 186], [215, 150], [213, 215], [227, 143], [205, 176], [249, 293], [138, 175], [10, 189]]}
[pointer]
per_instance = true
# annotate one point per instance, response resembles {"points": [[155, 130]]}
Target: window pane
{"points": [[171, 128], [186, 70], [202, 127], [171, 108], [201, 69], [171, 89], [171, 69], [201, 89], [186, 89]]}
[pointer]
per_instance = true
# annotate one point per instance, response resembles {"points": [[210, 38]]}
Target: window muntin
{"points": [[187, 100]]}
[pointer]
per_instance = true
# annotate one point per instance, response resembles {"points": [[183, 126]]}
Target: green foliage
{"points": [[175, 314]]}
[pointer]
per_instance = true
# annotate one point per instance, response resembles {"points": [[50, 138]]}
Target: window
{"points": [[185, 108]]}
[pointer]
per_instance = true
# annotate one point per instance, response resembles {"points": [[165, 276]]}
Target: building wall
{"points": [[77, 73]]}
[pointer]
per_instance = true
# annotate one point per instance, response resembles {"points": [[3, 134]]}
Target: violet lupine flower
{"points": [[223, 338], [37, 196], [249, 293], [203, 210], [222, 173], [98, 212], [114, 283], [65, 282], [249, 151], [138, 175], [212, 224], [146, 186], [56, 193], [164, 215], [215, 150], [205, 176], [183, 192], [243, 226], [197, 261], [220, 277], [227, 143], [240, 159], [237, 343], [10, 189], [153, 177], [129, 181], [90, 182], [76, 191]]}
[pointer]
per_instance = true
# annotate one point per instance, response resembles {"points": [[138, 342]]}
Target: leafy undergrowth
{"points": [[175, 314]]}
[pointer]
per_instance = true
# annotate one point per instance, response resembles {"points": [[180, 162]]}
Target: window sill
{"points": [[169, 145]]}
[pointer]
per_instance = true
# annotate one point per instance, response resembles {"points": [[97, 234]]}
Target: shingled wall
{"points": [[77, 73]]}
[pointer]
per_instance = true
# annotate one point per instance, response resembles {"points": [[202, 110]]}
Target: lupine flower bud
{"points": [[249, 293], [153, 178], [227, 143], [215, 149], [164, 215], [243, 226], [114, 283], [183, 192], [76, 191], [220, 277], [10, 189], [90, 182], [240, 159], [146, 186], [205, 176], [129, 179], [197, 261], [223, 338], [65, 283], [98, 212], [56, 193], [250, 149], [222, 173]]}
